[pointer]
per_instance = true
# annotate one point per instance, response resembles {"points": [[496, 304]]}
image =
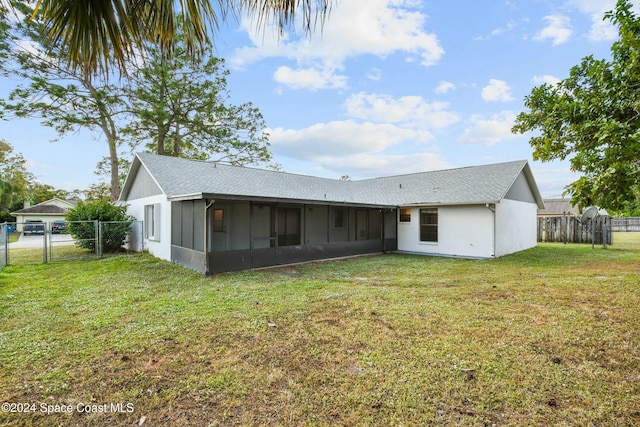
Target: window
{"points": [[152, 222], [338, 218], [405, 215], [429, 225], [218, 221]]}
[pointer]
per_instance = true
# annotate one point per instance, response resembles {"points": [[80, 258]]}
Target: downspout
{"points": [[493, 209], [206, 236]]}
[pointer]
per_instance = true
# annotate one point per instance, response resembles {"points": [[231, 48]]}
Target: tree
{"points": [[99, 34], [39, 192], [97, 192], [84, 232], [18, 185], [182, 109], [172, 100], [64, 99], [14, 178], [593, 119]]}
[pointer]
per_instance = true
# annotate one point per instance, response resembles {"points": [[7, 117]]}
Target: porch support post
{"points": [[328, 224], [251, 233], [382, 219], [206, 235]]}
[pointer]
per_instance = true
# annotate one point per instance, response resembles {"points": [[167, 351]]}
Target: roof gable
{"points": [[143, 185], [53, 206]]}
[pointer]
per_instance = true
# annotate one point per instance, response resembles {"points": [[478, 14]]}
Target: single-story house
{"points": [[558, 207], [216, 218], [49, 211]]}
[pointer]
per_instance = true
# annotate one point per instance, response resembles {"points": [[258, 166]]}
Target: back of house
{"points": [[215, 218]]}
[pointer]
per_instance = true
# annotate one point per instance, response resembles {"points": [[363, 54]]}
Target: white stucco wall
{"points": [[517, 226], [465, 231], [159, 248]]}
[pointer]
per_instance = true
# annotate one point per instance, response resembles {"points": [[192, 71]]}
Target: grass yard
{"points": [[549, 336], [21, 256]]}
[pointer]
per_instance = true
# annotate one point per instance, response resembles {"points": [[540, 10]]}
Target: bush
{"points": [[84, 232]]}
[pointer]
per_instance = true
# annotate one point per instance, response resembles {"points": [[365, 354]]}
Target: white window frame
{"points": [[432, 226], [401, 219], [152, 222]]}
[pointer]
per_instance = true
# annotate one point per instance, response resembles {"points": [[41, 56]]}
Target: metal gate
{"points": [[26, 242], [63, 247]]}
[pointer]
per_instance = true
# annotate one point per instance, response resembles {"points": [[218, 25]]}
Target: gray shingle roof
{"points": [[469, 185], [558, 207], [45, 208], [478, 184]]}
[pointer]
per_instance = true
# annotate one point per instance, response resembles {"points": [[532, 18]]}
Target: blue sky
{"points": [[388, 88]]}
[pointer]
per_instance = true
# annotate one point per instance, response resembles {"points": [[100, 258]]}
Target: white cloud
{"points": [[553, 177], [601, 30], [409, 110], [497, 31], [497, 90], [540, 80], [368, 165], [374, 74], [339, 138], [383, 136], [444, 87], [381, 28], [309, 78], [558, 30], [491, 130], [31, 165]]}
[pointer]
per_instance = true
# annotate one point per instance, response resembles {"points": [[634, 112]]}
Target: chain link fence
{"points": [[74, 240], [119, 236]]}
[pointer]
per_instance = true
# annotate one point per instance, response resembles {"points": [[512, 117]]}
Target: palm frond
{"points": [[95, 35]]}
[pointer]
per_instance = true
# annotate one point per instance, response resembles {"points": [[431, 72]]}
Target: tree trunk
{"points": [[160, 147], [111, 132], [115, 176], [177, 142]]}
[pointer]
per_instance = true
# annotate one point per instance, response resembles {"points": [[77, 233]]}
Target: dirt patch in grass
{"points": [[545, 337]]}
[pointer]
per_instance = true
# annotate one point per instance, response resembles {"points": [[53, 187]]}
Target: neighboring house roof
{"points": [[558, 207], [183, 179], [53, 206]]}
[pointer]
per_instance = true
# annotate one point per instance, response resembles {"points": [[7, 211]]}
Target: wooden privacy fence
{"points": [[569, 229], [625, 224]]}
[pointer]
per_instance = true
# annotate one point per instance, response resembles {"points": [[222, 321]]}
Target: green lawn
{"points": [[549, 336]]}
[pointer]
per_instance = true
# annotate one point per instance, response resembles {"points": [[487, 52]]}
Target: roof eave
{"points": [[441, 204], [264, 199], [16, 213]]}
